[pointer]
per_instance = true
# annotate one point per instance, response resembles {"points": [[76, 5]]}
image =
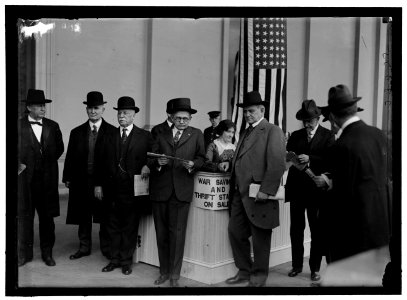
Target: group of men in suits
{"points": [[101, 161]]}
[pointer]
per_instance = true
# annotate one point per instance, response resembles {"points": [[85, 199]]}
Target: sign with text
{"points": [[211, 190]]}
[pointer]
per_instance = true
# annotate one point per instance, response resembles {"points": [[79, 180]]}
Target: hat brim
{"points": [[136, 109], [243, 105], [190, 110], [37, 102], [343, 105], [104, 102]]}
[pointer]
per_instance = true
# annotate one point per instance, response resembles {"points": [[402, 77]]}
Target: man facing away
{"points": [[259, 158], [124, 155], [171, 187], [78, 176], [40, 146]]}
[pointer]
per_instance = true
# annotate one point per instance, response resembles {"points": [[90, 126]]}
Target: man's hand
{"points": [[98, 192], [261, 197], [67, 184], [189, 164], [223, 166], [303, 158], [320, 182], [145, 172], [162, 161]]}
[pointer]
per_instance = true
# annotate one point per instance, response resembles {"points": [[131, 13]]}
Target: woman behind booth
{"points": [[219, 153]]}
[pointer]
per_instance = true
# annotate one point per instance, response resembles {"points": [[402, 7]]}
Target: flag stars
{"points": [[264, 32], [264, 63], [265, 55], [264, 47], [257, 32], [257, 63], [264, 40], [257, 55]]}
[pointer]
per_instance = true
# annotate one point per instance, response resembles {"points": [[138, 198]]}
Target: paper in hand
{"points": [[140, 186]]}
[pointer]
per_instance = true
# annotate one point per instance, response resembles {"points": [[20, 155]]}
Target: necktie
{"points": [[309, 137], [94, 131], [124, 136], [248, 131], [36, 123], [176, 137]]}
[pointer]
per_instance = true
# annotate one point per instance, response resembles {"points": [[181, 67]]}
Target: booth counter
{"points": [[208, 256]]}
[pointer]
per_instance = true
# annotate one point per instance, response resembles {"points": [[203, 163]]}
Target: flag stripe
{"points": [[267, 94], [277, 97]]}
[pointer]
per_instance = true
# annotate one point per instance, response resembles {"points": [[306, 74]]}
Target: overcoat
{"points": [[174, 175], [80, 207], [52, 149], [160, 128], [261, 160]]}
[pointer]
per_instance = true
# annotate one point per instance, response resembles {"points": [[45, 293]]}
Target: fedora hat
{"points": [[126, 102], [94, 98], [182, 104], [308, 111], [340, 97], [325, 112], [252, 98], [36, 97]]}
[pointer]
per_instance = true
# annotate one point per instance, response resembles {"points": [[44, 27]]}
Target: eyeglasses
{"points": [[179, 119]]}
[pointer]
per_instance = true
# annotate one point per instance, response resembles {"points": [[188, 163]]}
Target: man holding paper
{"points": [[123, 155], [172, 185], [259, 159]]}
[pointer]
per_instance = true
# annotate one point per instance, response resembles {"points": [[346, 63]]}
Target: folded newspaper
{"points": [[254, 189]]}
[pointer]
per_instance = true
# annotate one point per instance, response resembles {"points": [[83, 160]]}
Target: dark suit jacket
{"points": [[107, 161], [53, 147], [299, 186], [358, 209], [160, 128], [209, 136], [261, 160], [76, 172], [174, 176]]}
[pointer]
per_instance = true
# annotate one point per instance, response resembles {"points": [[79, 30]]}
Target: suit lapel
{"points": [[168, 137], [316, 138], [185, 136], [251, 140], [26, 127], [132, 138], [116, 142], [45, 133]]}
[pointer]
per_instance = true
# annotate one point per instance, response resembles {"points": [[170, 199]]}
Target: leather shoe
{"points": [[174, 283], [255, 284], [236, 279], [49, 261], [79, 254], [161, 279], [126, 269], [110, 267], [315, 276], [294, 272], [22, 261]]}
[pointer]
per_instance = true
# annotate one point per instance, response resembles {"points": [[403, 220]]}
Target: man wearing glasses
{"points": [[123, 155], [171, 187]]}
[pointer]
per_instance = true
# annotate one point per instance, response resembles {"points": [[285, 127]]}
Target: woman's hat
{"points": [[36, 97], [94, 98], [181, 104], [308, 111], [126, 102]]}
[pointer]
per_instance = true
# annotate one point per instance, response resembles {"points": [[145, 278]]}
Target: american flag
{"points": [[261, 65]]}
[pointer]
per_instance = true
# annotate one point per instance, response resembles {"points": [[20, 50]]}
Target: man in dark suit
{"points": [[166, 125], [310, 144], [260, 159], [171, 187], [210, 132], [40, 146], [123, 155], [358, 209], [78, 176]]}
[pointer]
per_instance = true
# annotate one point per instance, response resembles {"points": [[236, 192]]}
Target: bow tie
{"points": [[37, 123]]}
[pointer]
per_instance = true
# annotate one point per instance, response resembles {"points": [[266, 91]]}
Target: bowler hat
{"points": [[325, 112], [214, 114], [308, 111], [339, 97], [252, 98], [94, 98], [169, 106], [126, 102], [36, 97], [182, 104]]}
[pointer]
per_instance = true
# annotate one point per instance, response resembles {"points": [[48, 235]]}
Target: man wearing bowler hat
{"points": [[78, 176], [260, 159], [210, 132], [123, 155], [303, 191], [166, 125], [40, 146], [357, 210], [171, 187]]}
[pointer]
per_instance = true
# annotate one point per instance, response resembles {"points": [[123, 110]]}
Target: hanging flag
{"points": [[262, 66]]}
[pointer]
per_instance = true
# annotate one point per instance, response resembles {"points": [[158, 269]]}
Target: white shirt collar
{"points": [[257, 123], [97, 124], [346, 124], [174, 131], [30, 119], [314, 130], [129, 129]]}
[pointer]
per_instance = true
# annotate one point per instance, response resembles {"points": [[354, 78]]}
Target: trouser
{"points": [[170, 220], [240, 229], [297, 227], [122, 228]]}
